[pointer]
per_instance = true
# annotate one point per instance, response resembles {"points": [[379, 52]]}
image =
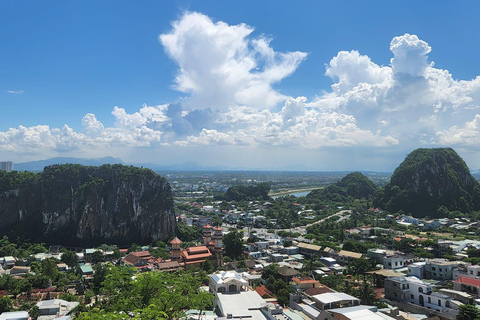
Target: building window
{"points": [[433, 268], [412, 296], [420, 289], [440, 269], [439, 303], [429, 300], [394, 294]]}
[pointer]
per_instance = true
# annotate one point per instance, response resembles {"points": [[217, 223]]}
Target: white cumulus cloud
{"points": [[221, 65]]}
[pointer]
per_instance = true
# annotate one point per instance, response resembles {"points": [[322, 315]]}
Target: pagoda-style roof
{"points": [[176, 241], [207, 226]]}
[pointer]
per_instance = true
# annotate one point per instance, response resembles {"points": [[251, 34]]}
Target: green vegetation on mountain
{"points": [[354, 185], [72, 203], [431, 182], [249, 193]]}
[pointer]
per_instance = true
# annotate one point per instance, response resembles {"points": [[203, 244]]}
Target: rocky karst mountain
{"points": [[353, 185], [75, 204], [431, 182]]}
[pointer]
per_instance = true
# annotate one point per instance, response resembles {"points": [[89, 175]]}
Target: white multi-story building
{"points": [[394, 261], [6, 166], [416, 291]]}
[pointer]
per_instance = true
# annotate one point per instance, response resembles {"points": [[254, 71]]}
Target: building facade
{"points": [[6, 166]]}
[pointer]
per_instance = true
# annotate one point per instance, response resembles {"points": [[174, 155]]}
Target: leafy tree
{"points": [[49, 268], [34, 313], [97, 257], [233, 244], [270, 271], [207, 266], [70, 258], [360, 266], [152, 292], [5, 304], [468, 312]]}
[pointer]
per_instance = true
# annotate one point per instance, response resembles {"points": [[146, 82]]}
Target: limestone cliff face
{"points": [[430, 179], [74, 204]]}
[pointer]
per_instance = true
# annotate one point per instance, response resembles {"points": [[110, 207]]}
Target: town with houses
{"points": [[361, 264]]}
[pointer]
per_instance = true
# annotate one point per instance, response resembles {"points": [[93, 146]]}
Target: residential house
{"points": [[19, 271], [467, 284], [331, 300], [304, 283], [418, 292], [354, 313], [417, 269], [431, 225], [345, 256], [440, 269], [55, 307], [394, 261], [310, 250], [466, 270], [15, 315]]}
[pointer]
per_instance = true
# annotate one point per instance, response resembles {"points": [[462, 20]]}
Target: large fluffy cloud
{"points": [[229, 76], [220, 65]]}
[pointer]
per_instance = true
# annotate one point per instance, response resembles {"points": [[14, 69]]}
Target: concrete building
{"points": [[439, 269], [418, 292], [466, 284], [15, 315], [416, 269], [393, 262], [55, 308], [6, 166], [466, 271], [346, 257], [234, 300]]}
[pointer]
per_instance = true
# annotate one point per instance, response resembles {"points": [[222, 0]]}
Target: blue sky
{"points": [[239, 84]]}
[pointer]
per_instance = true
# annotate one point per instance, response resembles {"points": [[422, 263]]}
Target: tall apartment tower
{"points": [[6, 166]]}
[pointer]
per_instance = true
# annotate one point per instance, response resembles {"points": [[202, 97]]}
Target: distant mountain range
{"points": [[186, 166], [40, 164]]}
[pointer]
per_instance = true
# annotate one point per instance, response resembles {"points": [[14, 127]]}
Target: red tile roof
{"points": [[469, 281], [304, 280], [207, 226], [143, 254], [319, 290], [199, 249], [263, 291]]}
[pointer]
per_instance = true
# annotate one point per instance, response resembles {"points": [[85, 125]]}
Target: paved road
{"points": [[303, 229]]}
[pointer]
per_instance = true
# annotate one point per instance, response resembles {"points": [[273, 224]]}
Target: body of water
{"points": [[296, 194]]}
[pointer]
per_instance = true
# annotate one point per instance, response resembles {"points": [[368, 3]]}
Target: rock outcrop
{"points": [[354, 185], [431, 182], [75, 204]]}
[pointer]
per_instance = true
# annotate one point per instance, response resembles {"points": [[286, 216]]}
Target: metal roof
{"points": [[332, 297]]}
